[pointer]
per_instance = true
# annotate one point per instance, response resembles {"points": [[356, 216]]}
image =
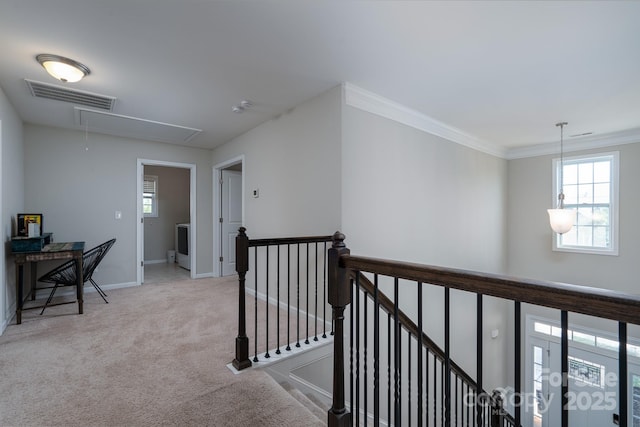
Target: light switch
{"points": [[118, 215]]}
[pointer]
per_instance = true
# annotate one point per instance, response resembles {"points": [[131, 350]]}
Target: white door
{"points": [[231, 220], [593, 387]]}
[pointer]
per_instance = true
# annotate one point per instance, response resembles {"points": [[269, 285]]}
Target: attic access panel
{"points": [[133, 127]]}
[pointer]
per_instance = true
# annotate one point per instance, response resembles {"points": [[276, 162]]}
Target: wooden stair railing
{"points": [[345, 271], [300, 276]]}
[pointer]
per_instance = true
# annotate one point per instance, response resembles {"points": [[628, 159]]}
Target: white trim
{"points": [[217, 169], [590, 142], [362, 99], [139, 215], [368, 101]]}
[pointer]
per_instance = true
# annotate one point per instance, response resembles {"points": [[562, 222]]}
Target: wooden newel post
{"points": [[339, 297], [242, 266], [497, 409]]}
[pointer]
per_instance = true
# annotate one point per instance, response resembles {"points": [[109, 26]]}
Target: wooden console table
{"points": [[53, 251]]}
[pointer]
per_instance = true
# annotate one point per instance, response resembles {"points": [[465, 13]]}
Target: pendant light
{"points": [[561, 219]]}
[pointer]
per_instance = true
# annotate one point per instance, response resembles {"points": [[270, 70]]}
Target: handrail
{"points": [[343, 268], [596, 302], [288, 240]]}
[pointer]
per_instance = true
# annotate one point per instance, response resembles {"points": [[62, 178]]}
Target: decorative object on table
{"points": [[30, 244], [29, 224], [65, 274]]}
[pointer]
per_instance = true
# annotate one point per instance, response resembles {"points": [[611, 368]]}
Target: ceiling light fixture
{"points": [[561, 219], [64, 69]]}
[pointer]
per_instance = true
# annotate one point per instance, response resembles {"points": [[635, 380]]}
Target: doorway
{"points": [[166, 197], [229, 211], [592, 377]]}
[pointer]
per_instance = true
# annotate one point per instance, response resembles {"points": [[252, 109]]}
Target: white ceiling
{"points": [[503, 72]]}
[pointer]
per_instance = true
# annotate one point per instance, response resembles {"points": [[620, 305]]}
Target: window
{"points": [[591, 189], [150, 196]]}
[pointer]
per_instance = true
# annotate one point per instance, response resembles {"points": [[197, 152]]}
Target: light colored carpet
{"points": [[155, 355]]}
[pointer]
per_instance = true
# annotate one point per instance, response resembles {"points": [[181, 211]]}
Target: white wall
{"points": [[295, 162], [78, 185], [411, 196], [12, 196]]}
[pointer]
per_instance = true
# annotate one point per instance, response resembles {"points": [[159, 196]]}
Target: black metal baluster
{"points": [[376, 353], [443, 400], [517, 362], [447, 360], [351, 342], [278, 302], [266, 342], [622, 374], [315, 337], [564, 354], [420, 345], [288, 297], [426, 388], [389, 406], [409, 378], [466, 403], [435, 390], [298, 295], [306, 341], [479, 320], [455, 404], [356, 402], [324, 291], [255, 302], [396, 343], [364, 358]]}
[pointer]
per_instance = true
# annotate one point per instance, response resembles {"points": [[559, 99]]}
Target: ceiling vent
{"points": [[59, 93]]}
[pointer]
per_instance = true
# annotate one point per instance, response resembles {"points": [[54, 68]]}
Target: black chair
{"points": [[65, 274]]}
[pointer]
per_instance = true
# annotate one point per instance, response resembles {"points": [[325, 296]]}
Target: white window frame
{"points": [[614, 158], [154, 197]]}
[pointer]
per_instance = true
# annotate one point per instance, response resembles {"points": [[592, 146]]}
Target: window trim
{"points": [[613, 207], [154, 198]]}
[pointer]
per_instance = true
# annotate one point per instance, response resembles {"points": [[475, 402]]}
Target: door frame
{"points": [[532, 338], [217, 208], [141, 163]]}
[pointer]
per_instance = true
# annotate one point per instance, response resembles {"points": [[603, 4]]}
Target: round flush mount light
{"points": [[63, 69]]}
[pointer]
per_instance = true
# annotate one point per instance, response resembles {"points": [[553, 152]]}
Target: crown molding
{"points": [[590, 142], [362, 99], [357, 97]]}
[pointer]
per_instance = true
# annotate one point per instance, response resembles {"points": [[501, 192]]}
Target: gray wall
{"points": [[78, 185], [412, 196], [173, 207], [12, 196], [530, 252], [295, 162], [530, 238]]}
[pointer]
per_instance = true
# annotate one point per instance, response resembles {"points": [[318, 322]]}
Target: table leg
{"points": [[19, 296], [79, 283], [32, 278]]}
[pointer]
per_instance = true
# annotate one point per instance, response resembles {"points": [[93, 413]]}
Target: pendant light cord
{"points": [[561, 195]]}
